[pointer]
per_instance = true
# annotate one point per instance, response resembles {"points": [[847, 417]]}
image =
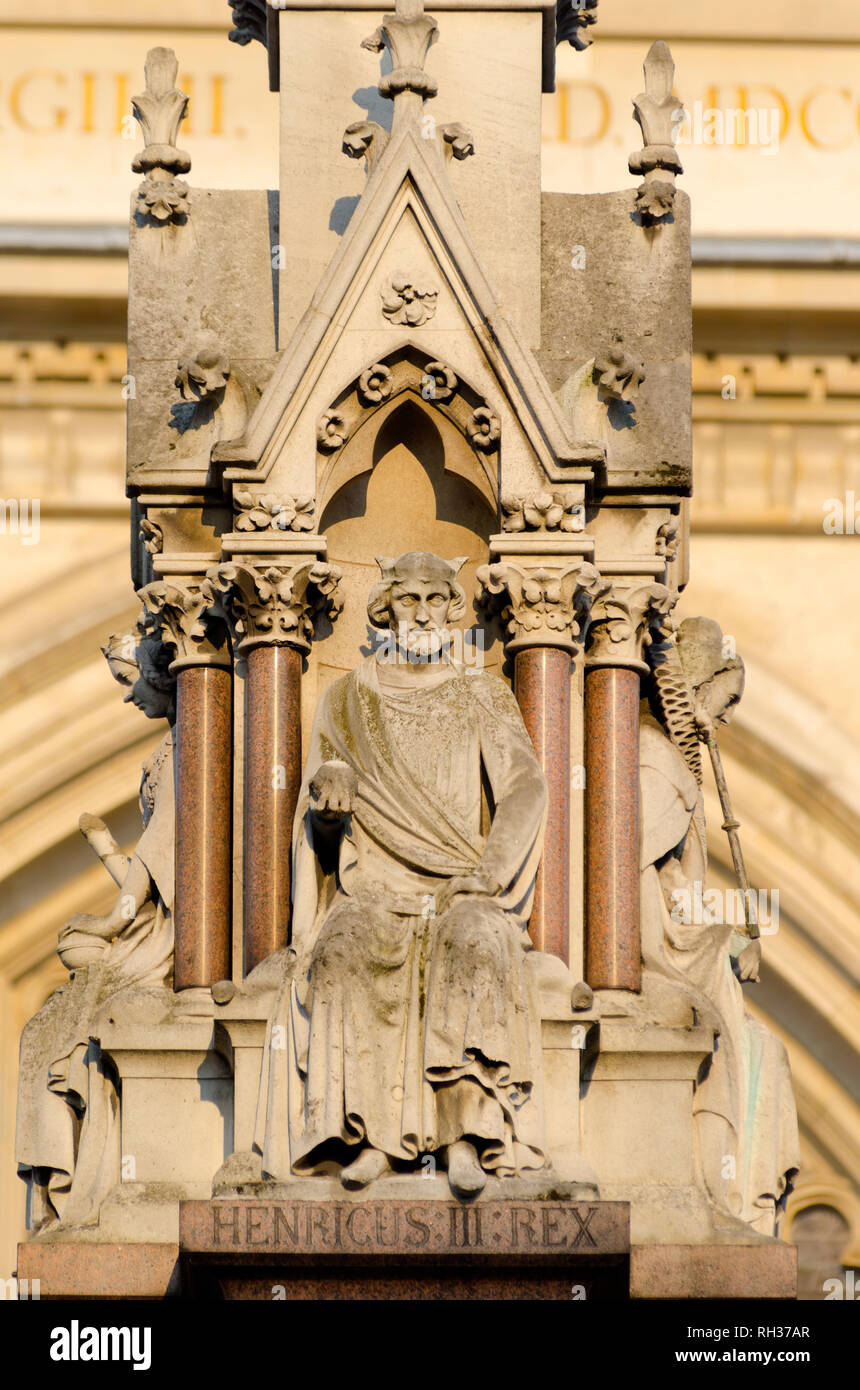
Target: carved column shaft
{"points": [[272, 607], [612, 951], [273, 775], [542, 677], [622, 618], [203, 816]]}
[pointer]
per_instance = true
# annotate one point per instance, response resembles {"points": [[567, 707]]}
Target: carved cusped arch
{"points": [[437, 389]]}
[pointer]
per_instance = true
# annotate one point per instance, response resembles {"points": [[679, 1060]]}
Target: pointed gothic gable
{"points": [[407, 275]]}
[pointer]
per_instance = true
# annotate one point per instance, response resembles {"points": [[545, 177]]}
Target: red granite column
{"points": [[542, 676], [273, 774], [612, 950], [204, 766]]}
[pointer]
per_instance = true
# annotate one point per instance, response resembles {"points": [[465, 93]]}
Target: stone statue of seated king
{"points": [[409, 1023]]}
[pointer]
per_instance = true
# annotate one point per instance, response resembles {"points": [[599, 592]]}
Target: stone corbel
{"points": [[159, 112], [659, 113], [625, 619], [182, 611], [276, 604]]}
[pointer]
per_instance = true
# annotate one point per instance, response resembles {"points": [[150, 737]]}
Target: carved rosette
{"points": [[542, 605], [181, 616], [332, 431], [159, 112], [374, 384], [276, 605], [438, 383], [484, 429], [626, 619], [407, 299]]}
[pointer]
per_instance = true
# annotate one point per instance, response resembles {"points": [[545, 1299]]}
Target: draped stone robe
{"points": [[748, 1081], [391, 1006], [67, 1135]]}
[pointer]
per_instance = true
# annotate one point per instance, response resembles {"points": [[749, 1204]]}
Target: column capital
{"points": [[625, 618], [181, 610], [275, 604], [544, 597]]}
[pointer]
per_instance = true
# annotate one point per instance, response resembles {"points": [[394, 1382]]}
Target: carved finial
{"points": [[159, 111], [659, 113], [572, 21]]}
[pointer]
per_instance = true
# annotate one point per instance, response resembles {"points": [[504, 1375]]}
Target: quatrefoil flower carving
{"points": [[484, 429], [375, 384]]}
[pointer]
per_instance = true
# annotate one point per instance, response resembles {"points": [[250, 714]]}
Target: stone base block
{"points": [[713, 1271], [96, 1269]]}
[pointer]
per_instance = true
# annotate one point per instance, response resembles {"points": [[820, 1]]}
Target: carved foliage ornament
{"points": [[203, 373], [619, 373], [182, 618], [546, 605], [269, 513], [626, 619], [408, 299], [546, 511], [277, 604]]}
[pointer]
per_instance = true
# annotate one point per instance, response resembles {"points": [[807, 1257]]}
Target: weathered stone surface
{"points": [[713, 1271], [634, 281]]}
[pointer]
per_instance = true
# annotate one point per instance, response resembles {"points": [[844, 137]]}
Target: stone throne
{"points": [[415, 351]]}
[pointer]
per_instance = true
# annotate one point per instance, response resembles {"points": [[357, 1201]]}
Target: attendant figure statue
{"points": [[409, 1024], [67, 1143], [746, 1121]]}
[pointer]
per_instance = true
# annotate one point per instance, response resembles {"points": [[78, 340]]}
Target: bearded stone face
{"points": [[419, 607]]}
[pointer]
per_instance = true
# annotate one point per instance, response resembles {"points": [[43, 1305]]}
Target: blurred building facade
{"points": [[770, 149]]}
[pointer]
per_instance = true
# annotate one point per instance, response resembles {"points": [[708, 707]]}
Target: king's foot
{"points": [[370, 1165], [466, 1177]]}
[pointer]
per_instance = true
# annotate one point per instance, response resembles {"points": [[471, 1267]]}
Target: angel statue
{"points": [[67, 1143]]}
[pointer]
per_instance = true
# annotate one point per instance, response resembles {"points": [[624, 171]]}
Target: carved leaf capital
{"points": [[541, 605], [277, 604], [626, 619]]}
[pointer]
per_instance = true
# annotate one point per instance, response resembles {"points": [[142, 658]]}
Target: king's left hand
{"points": [[478, 883]]}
